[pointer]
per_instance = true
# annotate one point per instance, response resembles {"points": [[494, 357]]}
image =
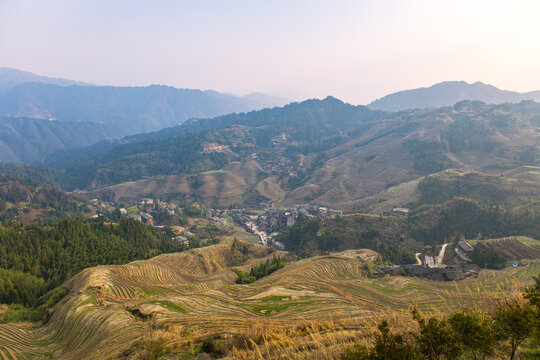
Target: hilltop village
{"points": [[264, 220]]}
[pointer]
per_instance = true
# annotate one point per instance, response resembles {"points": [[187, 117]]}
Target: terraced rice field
{"points": [[516, 249], [111, 308]]}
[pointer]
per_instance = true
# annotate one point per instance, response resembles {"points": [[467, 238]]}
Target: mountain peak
{"points": [[10, 78], [447, 93]]}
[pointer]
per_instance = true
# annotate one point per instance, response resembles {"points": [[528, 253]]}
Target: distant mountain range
{"points": [[84, 114], [26, 140], [132, 110], [9, 78], [447, 94]]}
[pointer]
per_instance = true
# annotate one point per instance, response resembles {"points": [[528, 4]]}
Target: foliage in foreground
{"points": [[472, 334]]}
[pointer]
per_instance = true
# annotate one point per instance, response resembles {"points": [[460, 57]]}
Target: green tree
{"points": [[474, 330], [436, 340], [513, 322], [532, 294], [387, 346]]}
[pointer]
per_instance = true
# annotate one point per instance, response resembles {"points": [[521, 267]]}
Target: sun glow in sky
{"points": [[354, 50]]}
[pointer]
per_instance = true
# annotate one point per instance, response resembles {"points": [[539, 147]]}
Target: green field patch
{"points": [[385, 288], [322, 230], [133, 210], [210, 172], [527, 240], [277, 306], [302, 306], [271, 309], [149, 292], [168, 304]]}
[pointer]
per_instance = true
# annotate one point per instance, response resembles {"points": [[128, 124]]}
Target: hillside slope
{"points": [[32, 140], [322, 151], [25, 201], [110, 311]]}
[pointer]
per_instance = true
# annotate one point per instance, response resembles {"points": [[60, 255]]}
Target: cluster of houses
{"points": [[148, 205], [181, 235], [210, 147], [216, 215], [275, 162], [273, 221], [102, 207], [460, 267], [278, 166], [279, 143]]}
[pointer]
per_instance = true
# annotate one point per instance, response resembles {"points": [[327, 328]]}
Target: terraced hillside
{"points": [[515, 248], [113, 311], [518, 189], [224, 187]]}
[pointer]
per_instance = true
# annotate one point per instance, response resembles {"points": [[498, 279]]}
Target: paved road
{"points": [[438, 261]]}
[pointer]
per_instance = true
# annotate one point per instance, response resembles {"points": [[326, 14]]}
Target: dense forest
{"points": [[18, 196], [39, 257], [41, 174], [435, 191], [428, 156], [435, 224], [398, 239], [259, 271], [314, 237]]}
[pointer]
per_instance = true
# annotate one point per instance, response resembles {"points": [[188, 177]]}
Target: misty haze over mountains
{"points": [[9, 78], [80, 114], [130, 109]]}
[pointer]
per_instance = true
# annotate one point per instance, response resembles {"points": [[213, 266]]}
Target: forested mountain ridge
{"points": [[448, 93], [317, 124], [130, 109], [32, 140], [9, 78], [27, 200], [325, 151]]}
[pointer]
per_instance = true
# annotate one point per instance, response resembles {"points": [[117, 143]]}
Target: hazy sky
{"points": [[354, 50]]}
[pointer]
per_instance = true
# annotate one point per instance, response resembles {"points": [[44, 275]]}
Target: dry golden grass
{"points": [[220, 188], [313, 308]]}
